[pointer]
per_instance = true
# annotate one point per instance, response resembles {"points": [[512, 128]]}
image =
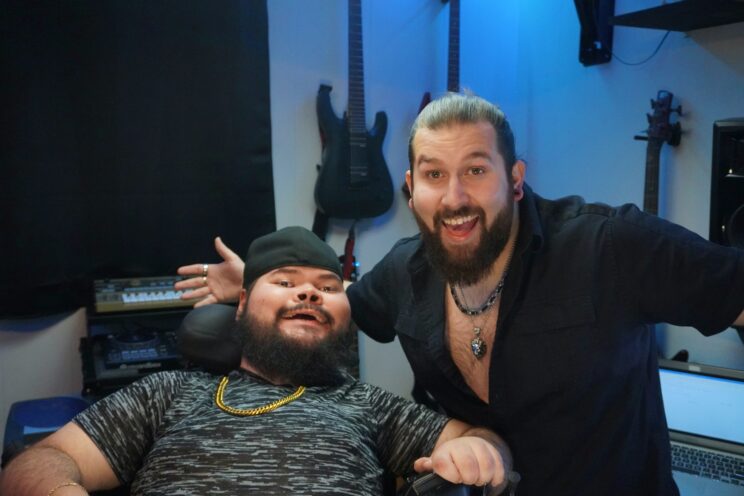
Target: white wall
{"points": [[573, 124], [308, 46], [581, 122], [39, 359]]}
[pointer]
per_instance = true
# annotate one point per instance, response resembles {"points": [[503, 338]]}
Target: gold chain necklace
{"points": [[250, 412]]}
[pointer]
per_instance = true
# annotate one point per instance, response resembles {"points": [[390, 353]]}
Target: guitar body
{"points": [[353, 181]]}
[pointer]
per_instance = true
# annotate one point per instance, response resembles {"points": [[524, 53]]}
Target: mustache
{"points": [[306, 306]]}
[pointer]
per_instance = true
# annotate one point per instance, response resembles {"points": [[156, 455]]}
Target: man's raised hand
{"points": [[213, 283]]}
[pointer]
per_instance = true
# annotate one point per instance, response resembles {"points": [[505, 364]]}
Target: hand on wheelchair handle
{"points": [[432, 484]]}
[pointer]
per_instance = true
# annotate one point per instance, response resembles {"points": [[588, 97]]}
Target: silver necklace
{"points": [[486, 305], [478, 346]]}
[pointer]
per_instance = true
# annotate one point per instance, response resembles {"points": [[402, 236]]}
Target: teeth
{"points": [[306, 314], [456, 221]]}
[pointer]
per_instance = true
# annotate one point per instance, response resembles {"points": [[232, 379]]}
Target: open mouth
{"points": [[306, 315], [460, 225]]}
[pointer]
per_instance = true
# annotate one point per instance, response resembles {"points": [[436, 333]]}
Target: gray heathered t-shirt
{"points": [[166, 436]]}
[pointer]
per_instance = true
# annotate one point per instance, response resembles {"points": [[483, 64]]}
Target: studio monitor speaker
{"points": [[727, 183]]}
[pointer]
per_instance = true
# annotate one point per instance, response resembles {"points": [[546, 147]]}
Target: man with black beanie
{"points": [[289, 420]]}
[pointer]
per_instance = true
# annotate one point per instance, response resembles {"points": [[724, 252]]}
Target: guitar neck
{"points": [[356, 110], [651, 185], [453, 62], [660, 130]]}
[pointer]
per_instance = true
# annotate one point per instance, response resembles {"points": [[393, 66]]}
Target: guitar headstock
{"points": [[660, 127]]}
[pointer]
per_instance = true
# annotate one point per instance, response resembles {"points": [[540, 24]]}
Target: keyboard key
{"points": [[689, 470]]}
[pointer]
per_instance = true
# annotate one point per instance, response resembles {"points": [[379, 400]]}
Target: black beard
{"points": [[277, 357], [466, 266]]}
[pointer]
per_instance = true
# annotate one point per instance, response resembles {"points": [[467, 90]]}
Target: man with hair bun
{"points": [[532, 316]]}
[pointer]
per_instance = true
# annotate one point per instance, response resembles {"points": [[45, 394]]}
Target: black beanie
{"points": [[288, 246]]}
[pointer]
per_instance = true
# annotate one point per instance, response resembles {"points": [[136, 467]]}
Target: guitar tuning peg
{"points": [[678, 109], [640, 137]]}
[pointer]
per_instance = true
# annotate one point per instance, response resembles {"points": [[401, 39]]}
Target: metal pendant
{"points": [[477, 345]]}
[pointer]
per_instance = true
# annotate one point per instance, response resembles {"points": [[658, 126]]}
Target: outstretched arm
{"points": [[222, 282], [469, 455], [67, 460]]}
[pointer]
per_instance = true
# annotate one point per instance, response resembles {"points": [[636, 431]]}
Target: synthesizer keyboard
{"points": [[137, 294]]}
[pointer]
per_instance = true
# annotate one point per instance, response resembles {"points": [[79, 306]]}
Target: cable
{"points": [[614, 55], [658, 47]]}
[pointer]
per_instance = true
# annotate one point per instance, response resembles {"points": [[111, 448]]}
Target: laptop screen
{"points": [[704, 405]]}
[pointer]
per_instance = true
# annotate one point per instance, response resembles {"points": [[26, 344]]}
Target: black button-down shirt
{"points": [[573, 380]]}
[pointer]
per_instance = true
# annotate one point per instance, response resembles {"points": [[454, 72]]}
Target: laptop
{"points": [[704, 408]]}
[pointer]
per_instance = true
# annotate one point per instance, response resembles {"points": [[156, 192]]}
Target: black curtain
{"points": [[132, 132]]}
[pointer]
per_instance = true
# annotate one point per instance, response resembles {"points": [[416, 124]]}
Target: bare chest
{"points": [[460, 332]]}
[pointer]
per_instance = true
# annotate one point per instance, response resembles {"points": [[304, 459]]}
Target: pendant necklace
{"points": [[478, 346]]}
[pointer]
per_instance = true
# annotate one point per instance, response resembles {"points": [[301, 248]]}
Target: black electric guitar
{"points": [[453, 59], [353, 180], [453, 64], [660, 130]]}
